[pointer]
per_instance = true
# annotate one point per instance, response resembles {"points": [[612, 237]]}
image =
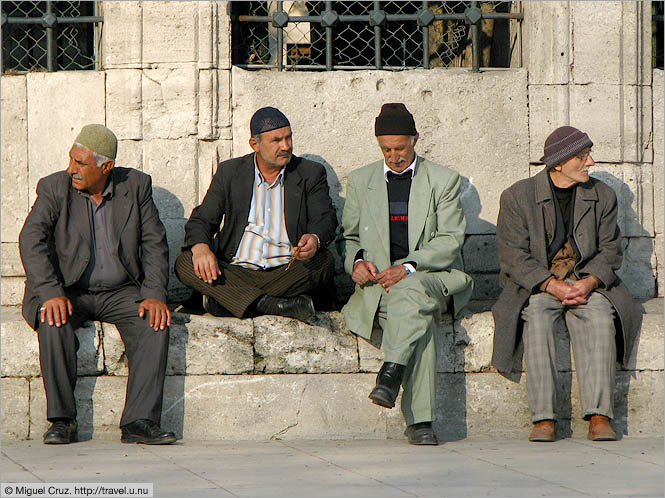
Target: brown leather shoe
{"points": [[600, 429], [542, 432]]}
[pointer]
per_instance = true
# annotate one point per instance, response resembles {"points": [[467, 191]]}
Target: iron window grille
{"points": [[49, 36], [657, 34], [394, 35]]}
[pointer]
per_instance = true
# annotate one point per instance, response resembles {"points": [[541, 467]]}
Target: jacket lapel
{"points": [[377, 202], [78, 215], [585, 198], [121, 206], [418, 204], [293, 188], [546, 203]]}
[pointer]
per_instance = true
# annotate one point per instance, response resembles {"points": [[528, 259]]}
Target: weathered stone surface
{"points": [[175, 236], [486, 285], [660, 261], [208, 103], [291, 346], [169, 95], [123, 103], [474, 336], [617, 36], [546, 38], [12, 290], [638, 267], [170, 32], [130, 154], [370, 353], [658, 147], [208, 34], [11, 260], [208, 161], [123, 34], [224, 34], [15, 408], [14, 129], [616, 117], [456, 101], [79, 96], [479, 253], [172, 165], [549, 106], [648, 354]]}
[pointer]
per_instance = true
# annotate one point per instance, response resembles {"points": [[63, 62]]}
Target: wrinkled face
{"points": [[574, 170], [85, 173], [273, 148], [398, 150]]}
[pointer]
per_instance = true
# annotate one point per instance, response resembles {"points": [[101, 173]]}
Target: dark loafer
{"points": [[146, 432], [214, 308], [300, 307], [422, 434], [63, 431], [387, 385]]}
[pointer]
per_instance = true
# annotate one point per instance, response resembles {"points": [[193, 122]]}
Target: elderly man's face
{"points": [[574, 170], [398, 150], [85, 173], [273, 148]]}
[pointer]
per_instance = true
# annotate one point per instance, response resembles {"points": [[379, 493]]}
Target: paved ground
{"points": [[384, 468]]}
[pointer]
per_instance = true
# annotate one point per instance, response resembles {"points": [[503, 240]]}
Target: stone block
{"points": [[169, 101], [273, 406], [634, 188], [285, 345], [224, 35], [660, 268], [475, 335], [208, 161], [123, 103], [370, 353], [455, 101], [214, 32], [547, 42], [617, 36], [658, 146], [170, 32], [123, 34], [214, 106], [172, 165], [638, 267], [485, 286], [130, 154], [480, 254], [12, 289], [617, 118], [11, 260], [175, 236], [648, 354], [79, 97], [15, 408], [549, 106], [14, 187]]}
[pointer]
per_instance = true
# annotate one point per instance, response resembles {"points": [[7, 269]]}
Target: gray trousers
{"points": [[146, 351], [592, 335]]}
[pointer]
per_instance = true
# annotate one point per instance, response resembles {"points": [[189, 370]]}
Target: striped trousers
{"points": [[592, 335], [238, 287]]}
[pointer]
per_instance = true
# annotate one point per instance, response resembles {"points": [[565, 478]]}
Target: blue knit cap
{"points": [[267, 119]]}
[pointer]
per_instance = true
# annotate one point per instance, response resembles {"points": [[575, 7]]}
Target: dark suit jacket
{"points": [[307, 205], [526, 224], [55, 239]]}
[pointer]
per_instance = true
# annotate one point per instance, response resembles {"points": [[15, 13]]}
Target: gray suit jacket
{"points": [[55, 239], [526, 225], [436, 234]]}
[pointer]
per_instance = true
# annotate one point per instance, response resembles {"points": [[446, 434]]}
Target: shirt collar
{"points": [[108, 192], [258, 177], [411, 168]]}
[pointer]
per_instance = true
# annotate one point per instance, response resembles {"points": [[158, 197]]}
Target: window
{"points": [[395, 35], [657, 37], [38, 36]]}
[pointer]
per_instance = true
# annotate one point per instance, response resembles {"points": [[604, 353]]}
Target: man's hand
{"points": [[572, 294], [158, 312], [205, 263], [55, 310], [391, 275], [307, 247], [363, 272]]}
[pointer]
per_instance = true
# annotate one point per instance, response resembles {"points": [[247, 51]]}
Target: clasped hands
{"points": [[366, 271], [56, 310], [572, 293]]}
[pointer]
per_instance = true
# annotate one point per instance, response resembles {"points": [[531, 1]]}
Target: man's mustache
{"points": [[76, 176]]}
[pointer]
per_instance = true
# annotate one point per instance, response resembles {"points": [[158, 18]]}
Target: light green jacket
{"points": [[436, 234]]}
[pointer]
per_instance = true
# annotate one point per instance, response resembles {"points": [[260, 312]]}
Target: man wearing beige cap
{"points": [[403, 230], [93, 248], [559, 248]]}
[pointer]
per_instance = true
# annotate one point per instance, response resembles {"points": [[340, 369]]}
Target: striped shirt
{"points": [[265, 243]]}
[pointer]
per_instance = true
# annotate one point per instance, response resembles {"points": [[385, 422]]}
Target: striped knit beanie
{"points": [[562, 144]]}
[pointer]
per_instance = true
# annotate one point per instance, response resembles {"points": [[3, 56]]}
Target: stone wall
{"points": [[169, 91]]}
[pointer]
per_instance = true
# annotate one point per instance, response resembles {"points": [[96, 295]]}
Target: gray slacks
{"points": [[592, 335], [146, 351]]}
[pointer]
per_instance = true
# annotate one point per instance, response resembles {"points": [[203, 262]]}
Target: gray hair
{"points": [[99, 159]]}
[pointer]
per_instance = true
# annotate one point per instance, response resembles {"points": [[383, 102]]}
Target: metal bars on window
{"points": [[48, 35], [657, 34], [328, 35]]}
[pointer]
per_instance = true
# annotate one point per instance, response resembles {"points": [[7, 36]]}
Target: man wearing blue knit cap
{"points": [[276, 219]]}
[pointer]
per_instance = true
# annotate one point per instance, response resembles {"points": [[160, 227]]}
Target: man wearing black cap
{"points": [[559, 248], [403, 230], [93, 248], [278, 220]]}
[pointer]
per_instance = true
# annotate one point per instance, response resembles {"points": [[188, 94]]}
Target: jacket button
{"points": [[431, 234], [366, 228]]}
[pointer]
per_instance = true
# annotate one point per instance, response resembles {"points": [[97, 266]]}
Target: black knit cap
{"points": [[394, 119], [562, 144], [267, 119]]}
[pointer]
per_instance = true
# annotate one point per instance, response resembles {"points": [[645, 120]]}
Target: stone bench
{"points": [[273, 377]]}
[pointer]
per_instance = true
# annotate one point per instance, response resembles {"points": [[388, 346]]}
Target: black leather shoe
{"points": [[147, 432], [300, 307], [62, 431], [387, 385], [422, 434], [214, 308]]}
